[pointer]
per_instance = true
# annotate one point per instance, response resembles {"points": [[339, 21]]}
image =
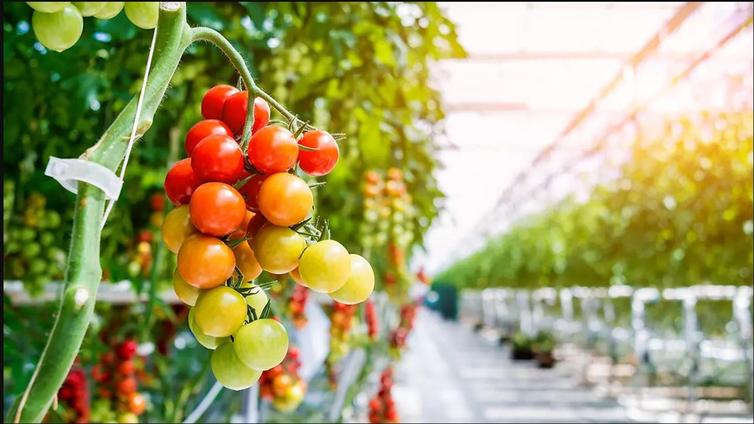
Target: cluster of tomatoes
{"points": [[341, 322], [282, 385], [370, 314], [382, 407], [116, 377], [399, 335], [297, 305], [239, 213], [31, 241], [74, 394], [58, 24]]}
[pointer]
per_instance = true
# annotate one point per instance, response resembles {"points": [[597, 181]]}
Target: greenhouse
{"points": [[378, 212]]}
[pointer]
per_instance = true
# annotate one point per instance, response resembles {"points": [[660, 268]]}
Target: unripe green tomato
{"points": [[143, 14], [52, 218], [47, 239], [324, 266], [48, 6], [89, 8], [110, 10], [230, 371], [359, 285], [26, 234], [220, 311], [60, 30], [207, 341], [38, 266], [261, 344], [185, 291], [31, 250]]}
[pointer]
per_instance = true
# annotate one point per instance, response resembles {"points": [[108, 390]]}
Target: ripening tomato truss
{"points": [[243, 207]]}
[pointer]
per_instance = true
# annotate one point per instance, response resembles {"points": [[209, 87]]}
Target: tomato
{"points": [[214, 100], [185, 291], [126, 386], [136, 403], [127, 349], [255, 223], [180, 182], [322, 161], [143, 14], [247, 262], [296, 276], [127, 418], [89, 8], [394, 174], [243, 228], [261, 344], [273, 149], [217, 209], [60, 30], [48, 6], [258, 300], [359, 285], [277, 249], [217, 158], [203, 129], [176, 227], [285, 199], [220, 311], [205, 262], [234, 112], [110, 10], [230, 371], [126, 367], [281, 384], [208, 342], [250, 191], [325, 266]]}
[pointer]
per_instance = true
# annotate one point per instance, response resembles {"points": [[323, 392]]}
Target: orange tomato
{"points": [[217, 209], [205, 262], [285, 199], [247, 262]]}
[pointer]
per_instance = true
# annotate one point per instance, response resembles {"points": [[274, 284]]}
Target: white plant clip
{"points": [[68, 172]]}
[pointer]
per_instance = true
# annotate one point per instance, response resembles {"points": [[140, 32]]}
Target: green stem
{"points": [[83, 272], [222, 43]]}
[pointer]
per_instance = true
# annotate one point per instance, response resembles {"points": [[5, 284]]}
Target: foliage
{"points": [[680, 214]]}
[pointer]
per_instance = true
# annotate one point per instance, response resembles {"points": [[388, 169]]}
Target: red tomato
{"points": [[285, 199], [273, 149], [127, 349], [322, 161], [203, 129], [250, 191], [157, 201], [214, 100], [126, 367], [234, 112], [181, 182], [217, 158], [217, 209]]}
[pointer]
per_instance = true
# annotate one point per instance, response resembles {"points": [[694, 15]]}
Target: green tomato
{"points": [[207, 341], [257, 300], [359, 285], [325, 266], [262, 344], [143, 14], [220, 311], [48, 6], [30, 250], [110, 10], [230, 371], [60, 30], [89, 8], [277, 249], [185, 291]]}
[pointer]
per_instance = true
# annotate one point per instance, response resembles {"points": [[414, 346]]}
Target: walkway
{"points": [[451, 374]]}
